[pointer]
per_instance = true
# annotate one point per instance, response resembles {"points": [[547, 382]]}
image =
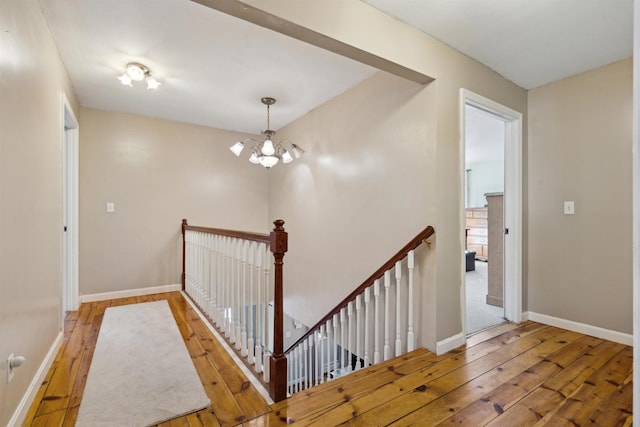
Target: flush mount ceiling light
{"points": [[136, 72], [266, 153]]}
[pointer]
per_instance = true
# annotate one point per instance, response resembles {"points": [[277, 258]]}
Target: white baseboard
{"points": [[19, 415], [130, 293], [582, 328], [450, 343]]}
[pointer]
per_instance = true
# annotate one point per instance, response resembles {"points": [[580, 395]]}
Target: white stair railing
{"points": [[345, 338], [227, 275]]}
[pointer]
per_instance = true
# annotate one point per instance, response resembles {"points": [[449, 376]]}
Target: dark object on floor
{"points": [[471, 260]]}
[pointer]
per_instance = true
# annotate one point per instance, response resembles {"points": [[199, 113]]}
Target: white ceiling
{"points": [[530, 42], [484, 136], [214, 68]]}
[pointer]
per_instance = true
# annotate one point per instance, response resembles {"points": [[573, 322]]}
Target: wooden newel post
{"points": [[184, 252], [278, 363]]}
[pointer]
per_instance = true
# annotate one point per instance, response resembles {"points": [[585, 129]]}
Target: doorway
{"points": [[492, 177], [70, 166], [484, 201]]}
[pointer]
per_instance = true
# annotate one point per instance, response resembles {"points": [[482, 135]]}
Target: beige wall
{"points": [[580, 150], [365, 186], [374, 32], [156, 172], [32, 80]]}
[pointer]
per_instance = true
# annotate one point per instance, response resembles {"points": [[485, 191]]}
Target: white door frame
{"points": [[70, 173], [513, 201], [636, 209]]}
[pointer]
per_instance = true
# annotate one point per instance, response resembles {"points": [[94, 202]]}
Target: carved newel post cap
{"points": [[279, 225]]}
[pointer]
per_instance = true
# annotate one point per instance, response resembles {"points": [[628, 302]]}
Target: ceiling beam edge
{"points": [[260, 17]]}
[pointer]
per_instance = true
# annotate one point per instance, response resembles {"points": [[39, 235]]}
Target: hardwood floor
{"points": [[233, 398], [510, 375]]}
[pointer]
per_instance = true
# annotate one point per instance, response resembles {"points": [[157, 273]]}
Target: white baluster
{"points": [[336, 363], [236, 293], [250, 341], [219, 280], [411, 344], [398, 309], [307, 361], [329, 346], [258, 260], [212, 272], [299, 378], [201, 296], [294, 373], [228, 269], [358, 331], [187, 260], [343, 339], [266, 366], [190, 264], [187, 285], [243, 303], [289, 373], [204, 272], [207, 274], [350, 329], [319, 356], [367, 299], [376, 325], [196, 269], [265, 293], [387, 285], [199, 270]]}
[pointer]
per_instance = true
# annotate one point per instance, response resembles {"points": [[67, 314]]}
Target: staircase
{"points": [[231, 277]]}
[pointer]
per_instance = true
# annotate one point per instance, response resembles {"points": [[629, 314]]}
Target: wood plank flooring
{"points": [[511, 375], [233, 398]]}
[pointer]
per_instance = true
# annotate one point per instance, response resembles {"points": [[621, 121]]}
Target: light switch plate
{"points": [[111, 207], [569, 207]]}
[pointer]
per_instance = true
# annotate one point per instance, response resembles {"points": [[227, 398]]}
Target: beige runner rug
{"points": [[141, 373]]}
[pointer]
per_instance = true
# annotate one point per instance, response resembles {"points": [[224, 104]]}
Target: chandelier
{"points": [[266, 153], [136, 72]]}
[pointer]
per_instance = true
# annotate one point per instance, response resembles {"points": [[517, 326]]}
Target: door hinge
{"points": [[506, 231], [65, 228]]}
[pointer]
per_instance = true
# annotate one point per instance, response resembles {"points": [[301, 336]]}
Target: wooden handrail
{"points": [[246, 235], [401, 254]]}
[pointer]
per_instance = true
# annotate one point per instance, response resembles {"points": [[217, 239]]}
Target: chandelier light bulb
{"points": [[237, 148], [136, 72], [267, 148], [125, 79], [297, 151], [268, 161], [254, 158], [152, 83], [286, 157]]}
